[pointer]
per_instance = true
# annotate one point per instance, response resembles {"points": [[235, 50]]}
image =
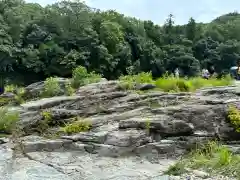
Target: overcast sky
{"points": [[158, 10]]}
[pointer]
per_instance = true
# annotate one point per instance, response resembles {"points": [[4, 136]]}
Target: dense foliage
{"points": [[38, 42]]}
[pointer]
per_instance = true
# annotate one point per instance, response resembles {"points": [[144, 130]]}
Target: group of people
{"points": [[235, 72], [207, 73], [1, 85]]}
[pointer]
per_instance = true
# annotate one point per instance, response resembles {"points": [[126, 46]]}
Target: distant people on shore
{"points": [[205, 74], [177, 73], [211, 70], [1, 86]]}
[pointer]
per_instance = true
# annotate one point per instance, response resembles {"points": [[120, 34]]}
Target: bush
{"points": [[5, 101], [172, 84], [51, 88], [234, 117], [19, 94], [8, 120], [69, 89], [10, 88], [47, 119], [81, 77], [81, 125], [199, 82]]}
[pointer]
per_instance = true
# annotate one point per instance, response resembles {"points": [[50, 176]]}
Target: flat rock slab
{"points": [[48, 102], [76, 166], [92, 167], [126, 138]]}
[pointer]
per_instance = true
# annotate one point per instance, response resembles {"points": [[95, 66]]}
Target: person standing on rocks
{"points": [[1, 85], [238, 71], [176, 72], [211, 70], [205, 74]]}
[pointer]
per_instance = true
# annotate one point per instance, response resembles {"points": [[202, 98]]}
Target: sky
{"points": [[158, 10]]}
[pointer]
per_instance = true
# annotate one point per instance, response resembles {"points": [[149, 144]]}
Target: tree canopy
{"points": [[37, 42]]}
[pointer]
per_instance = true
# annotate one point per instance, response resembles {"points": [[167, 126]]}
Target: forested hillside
{"points": [[37, 42]]}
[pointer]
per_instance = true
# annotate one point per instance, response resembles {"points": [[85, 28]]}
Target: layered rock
{"points": [[147, 128]]}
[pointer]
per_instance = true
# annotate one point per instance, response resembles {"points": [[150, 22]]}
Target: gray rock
{"points": [[98, 137], [8, 95], [48, 102], [4, 140], [46, 145], [127, 138], [132, 137], [200, 174], [163, 125], [35, 89], [98, 88], [144, 87], [160, 149]]}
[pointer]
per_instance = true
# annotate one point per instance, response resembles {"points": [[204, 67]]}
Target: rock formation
{"points": [[132, 135]]}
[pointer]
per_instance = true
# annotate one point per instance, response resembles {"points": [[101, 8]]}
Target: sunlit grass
{"points": [[213, 158], [170, 83]]}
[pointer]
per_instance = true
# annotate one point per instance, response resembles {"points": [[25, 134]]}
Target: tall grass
{"points": [[129, 81], [169, 83], [51, 87], [213, 158], [81, 77], [8, 120]]}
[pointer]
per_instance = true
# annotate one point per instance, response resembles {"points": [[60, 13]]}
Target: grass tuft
{"points": [[213, 158]]}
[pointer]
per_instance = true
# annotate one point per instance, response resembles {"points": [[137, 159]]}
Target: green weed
{"points": [[51, 88], [81, 77], [8, 120], [81, 125]]}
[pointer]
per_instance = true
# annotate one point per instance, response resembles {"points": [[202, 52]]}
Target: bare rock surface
{"points": [[133, 136]]}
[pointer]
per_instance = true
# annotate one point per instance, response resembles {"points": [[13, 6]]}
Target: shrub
{"points": [[129, 81], [82, 77], [8, 120], [5, 101], [172, 84], [69, 89], [199, 82], [213, 158], [51, 88], [10, 88], [176, 169], [19, 97], [234, 117], [44, 123], [81, 125], [169, 83]]}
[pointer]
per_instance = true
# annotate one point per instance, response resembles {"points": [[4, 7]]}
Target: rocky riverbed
{"points": [[133, 136]]}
